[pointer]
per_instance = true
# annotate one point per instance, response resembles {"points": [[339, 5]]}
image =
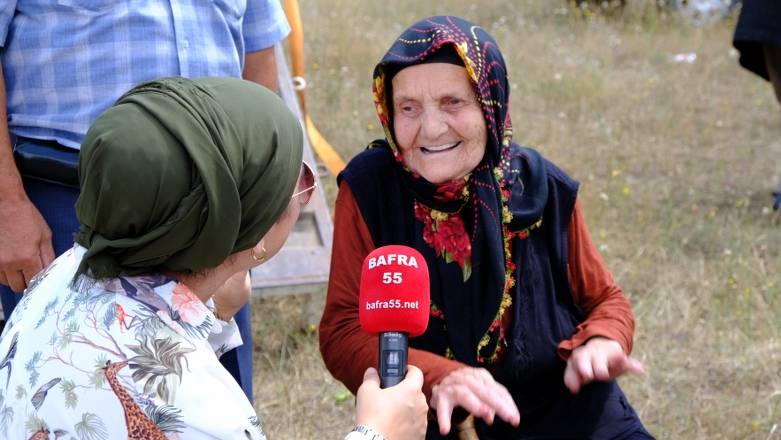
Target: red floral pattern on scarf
{"points": [[446, 234], [451, 190]]}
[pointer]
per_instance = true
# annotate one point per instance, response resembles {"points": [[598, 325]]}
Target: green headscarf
{"points": [[179, 174]]}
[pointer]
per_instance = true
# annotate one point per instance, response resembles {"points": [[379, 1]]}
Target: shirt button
{"points": [[186, 44]]}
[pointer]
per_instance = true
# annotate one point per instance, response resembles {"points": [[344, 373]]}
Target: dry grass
{"points": [[677, 162]]}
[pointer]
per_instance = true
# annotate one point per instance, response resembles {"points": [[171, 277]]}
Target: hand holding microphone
{"points": [[398, 412], [394, 303]]}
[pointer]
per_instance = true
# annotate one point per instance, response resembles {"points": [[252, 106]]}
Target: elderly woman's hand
{"points": [[397, 412], [475, 390], [231, 296], [599, 359]]}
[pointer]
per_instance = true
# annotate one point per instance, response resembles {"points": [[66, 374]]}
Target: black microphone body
{"points": [[393, 358]]}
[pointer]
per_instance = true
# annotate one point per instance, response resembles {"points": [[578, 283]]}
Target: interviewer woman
{"points": [[527, 329], [183, 185]]}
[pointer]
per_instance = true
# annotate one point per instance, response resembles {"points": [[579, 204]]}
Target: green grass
{"points": [[677, 162]]}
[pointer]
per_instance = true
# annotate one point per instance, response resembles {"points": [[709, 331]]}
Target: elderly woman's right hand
{"points": [[475, 390], [398, 412]]}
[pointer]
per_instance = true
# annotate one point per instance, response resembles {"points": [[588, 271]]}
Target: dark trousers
{"points": [[773, 64], [56, 204]]}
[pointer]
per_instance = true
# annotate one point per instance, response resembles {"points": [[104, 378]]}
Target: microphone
{"points": [[394, 302]]}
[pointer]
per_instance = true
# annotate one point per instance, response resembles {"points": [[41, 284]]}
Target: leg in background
{"points": [[773, 63]]}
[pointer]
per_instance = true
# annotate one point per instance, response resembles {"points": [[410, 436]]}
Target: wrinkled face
{"points": [[437, 121]]}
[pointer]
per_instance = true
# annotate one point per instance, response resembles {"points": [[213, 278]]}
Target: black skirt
{"points": [[759, 24]]}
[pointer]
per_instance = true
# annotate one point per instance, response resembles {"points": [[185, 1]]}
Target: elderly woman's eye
{"points": [[408, 109], [452, 103]]}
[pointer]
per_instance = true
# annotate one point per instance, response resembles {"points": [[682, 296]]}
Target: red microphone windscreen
{"points": [[394, 291]]}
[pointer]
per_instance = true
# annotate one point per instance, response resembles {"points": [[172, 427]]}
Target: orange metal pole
{"points": [[333, 162]]}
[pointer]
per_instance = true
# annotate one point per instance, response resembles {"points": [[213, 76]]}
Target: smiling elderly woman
{"points": [[526, 323]]}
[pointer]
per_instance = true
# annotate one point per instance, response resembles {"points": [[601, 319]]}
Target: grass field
{"points": [[677, 161]]}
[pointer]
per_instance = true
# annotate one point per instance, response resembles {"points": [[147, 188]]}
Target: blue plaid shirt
{"points": [[66, 61]]}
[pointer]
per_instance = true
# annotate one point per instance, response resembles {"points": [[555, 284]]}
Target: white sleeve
{"points": [[224, 335]]}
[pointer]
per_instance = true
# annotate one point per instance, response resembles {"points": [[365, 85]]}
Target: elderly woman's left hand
{"points": [[599, 359], [475, 390]]}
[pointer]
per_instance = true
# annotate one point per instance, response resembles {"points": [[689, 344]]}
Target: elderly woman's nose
{"points": [[433, 124]]}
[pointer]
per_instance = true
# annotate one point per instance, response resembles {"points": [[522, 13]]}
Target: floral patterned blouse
{"points": [[127, 358]]}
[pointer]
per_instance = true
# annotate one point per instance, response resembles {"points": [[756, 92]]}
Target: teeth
{"points": [[438, 148]]}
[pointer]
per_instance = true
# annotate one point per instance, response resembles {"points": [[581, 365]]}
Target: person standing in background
{"points": [[66, 61], [758, 38]]}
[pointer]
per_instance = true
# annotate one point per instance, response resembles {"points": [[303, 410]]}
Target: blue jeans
{"points": [[56, 204]]}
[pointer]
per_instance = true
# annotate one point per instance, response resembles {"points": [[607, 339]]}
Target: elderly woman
{"points": [[527, 329], [184, 184]]}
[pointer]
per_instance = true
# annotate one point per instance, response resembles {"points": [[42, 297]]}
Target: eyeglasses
{"points": [[306, 184]]}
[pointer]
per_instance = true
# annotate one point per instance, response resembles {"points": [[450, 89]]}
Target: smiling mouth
{"points": [[439, 148]]}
